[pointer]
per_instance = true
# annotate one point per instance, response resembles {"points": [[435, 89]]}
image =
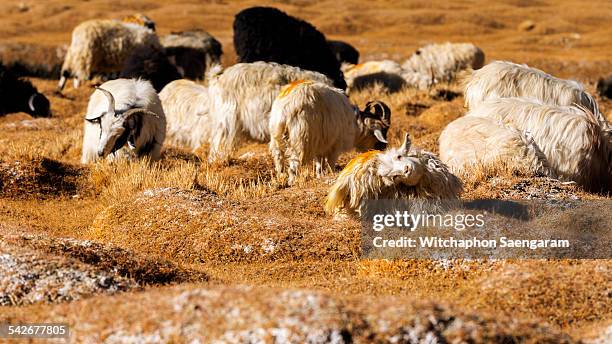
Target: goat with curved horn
{"points": [[118, 133], [111, 99]]}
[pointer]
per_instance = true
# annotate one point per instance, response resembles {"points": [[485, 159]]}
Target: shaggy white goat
{"points": [[573, 141], [470, 141], [102, 46], [241, 99], [120, 112], [397, 173], [502, 79], [314, 121], [435, 63], [186, 106]]}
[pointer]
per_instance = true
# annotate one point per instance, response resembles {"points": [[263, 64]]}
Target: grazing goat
{"points": [[186, 106], [192, 52], [575, 144], [397, 173], [102, 46], [150, 63], [501, 79], [241, 99], [120, 112], [471, 141], [364, 75], [267, 34], [435, 63], [18, 95], [313, 121], [344, 52]]}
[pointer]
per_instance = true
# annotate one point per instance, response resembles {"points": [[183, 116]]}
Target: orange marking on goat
{"points": [[359, 161], [290, 87], [134, 19]]}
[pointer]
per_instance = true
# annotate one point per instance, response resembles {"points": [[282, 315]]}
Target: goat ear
{"points": [[94, 120], [405, 147]]}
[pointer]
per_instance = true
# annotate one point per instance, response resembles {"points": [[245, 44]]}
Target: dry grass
{"points": [[182, 220]]}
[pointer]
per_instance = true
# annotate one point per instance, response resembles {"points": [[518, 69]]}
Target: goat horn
{"points": [[31, 102], [111, 99], [406, 144], [379, 136], [131, 112], [384, 110]]}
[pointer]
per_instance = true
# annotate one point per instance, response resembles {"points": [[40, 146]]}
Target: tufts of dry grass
{"points": [[194, 226]]}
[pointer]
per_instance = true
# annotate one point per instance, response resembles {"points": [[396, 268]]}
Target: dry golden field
{"points": [[180, 250]]}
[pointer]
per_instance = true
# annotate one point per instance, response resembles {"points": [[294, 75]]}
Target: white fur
{"points": [[573, 141], [370, 67], [102, 46], [314, 121], [435, 63], [128, 94], [397, 173], [241, 99], [186, 105], [501, 79], [470, 141]]}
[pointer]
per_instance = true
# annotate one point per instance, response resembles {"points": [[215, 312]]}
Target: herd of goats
{"points": [[290, 89]]}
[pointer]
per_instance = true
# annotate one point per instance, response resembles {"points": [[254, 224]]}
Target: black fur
{"points": [[391, 82], [151, 64], [604, 87], [344, 52], [192, 61], [17, 94], [267, 34]]}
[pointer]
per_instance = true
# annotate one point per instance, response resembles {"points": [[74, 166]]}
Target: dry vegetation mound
{"points": [[563, 292], [198, 226], [145, 270], [254, 314], [28, 276], [39, 178]]}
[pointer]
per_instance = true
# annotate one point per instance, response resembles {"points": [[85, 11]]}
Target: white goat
{"points": [[102, 46], [120, 112], [435, 63], [502, 79], [186, 105], [315, 121], [397, 173], [573, 141], [470, 141], [241, 99]]}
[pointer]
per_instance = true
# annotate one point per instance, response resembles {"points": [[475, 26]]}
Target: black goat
{"points": [[19, 95], [270, 35], [344, 52]]}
